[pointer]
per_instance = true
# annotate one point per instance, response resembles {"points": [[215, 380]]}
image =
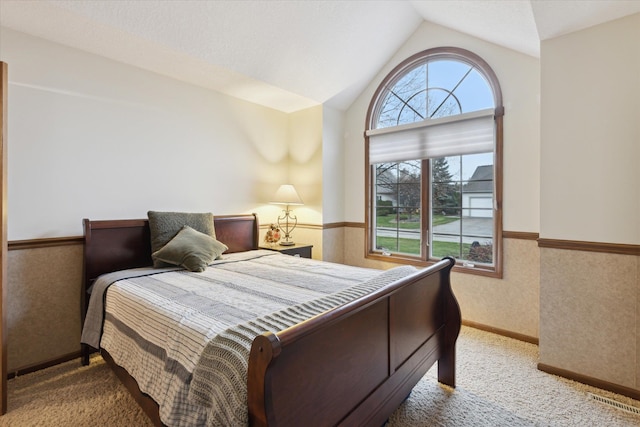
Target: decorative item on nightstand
{"points": [[287, 195], [272, 236]]}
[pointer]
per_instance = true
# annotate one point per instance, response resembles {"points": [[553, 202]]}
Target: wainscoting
{"points": [[43, 302], [581, 304], [590, 315], [579, 300]]}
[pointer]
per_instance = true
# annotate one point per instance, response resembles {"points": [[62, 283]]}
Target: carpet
{"points": [[498, 384]]}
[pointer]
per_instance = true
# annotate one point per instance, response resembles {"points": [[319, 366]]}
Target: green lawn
{"points": [[407, 246], [390, 221], [412, 247]]}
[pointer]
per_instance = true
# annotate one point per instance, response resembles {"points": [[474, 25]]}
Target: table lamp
{"points": [[287, 195]]}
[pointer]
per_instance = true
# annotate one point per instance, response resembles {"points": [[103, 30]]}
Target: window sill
{"points": [[458, 268]]}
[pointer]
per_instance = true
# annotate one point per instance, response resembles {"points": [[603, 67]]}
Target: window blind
{"points": [[467, 133]]}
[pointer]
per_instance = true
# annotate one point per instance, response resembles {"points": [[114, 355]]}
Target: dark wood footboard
{"points": [[354, 365]]}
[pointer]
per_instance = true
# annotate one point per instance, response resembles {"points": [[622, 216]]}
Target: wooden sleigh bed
{"points": [[364, 357]]}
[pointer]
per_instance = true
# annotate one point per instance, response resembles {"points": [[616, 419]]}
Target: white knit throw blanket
{"points": [[219, 381]]}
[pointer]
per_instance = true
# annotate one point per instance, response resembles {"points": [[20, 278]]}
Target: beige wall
{"points": [[43, 304], [511, 303], [305, 162], [590, 314], [590, 132], [589, 192], [332, 165], [333, 243], [95, 138], [304, 170]]}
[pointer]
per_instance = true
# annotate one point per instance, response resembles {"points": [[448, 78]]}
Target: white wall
{"points": [[305, 162], [519, 78], [333, 182], [591, 134], [90, 137]]}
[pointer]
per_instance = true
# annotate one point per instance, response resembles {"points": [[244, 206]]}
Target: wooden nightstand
{"points": [[299, 249]]}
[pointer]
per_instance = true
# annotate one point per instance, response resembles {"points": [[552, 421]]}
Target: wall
{"points": [[333, 184], [590, 311], [91, 137], [591, 105], [95, 138], [43, 304], [511, 303], [306, 173], [333, 165]]}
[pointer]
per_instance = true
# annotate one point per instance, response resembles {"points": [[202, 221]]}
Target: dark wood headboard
{"points": [[126, 243]]}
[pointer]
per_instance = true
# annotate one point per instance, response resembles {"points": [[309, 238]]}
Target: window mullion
{"points": [[460, 210], [397, 211], [425, 217], [451, 92]]}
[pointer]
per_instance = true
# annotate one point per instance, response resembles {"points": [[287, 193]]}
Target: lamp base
{"points": [[286, 243]]}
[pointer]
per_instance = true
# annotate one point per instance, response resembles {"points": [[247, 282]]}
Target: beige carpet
{"points": [[498, 385]]}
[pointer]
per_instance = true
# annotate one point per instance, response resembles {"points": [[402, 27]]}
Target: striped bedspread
{"points": [[172, 330]]}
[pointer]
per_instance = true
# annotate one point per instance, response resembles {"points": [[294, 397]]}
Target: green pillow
{"points": [[190, 249], [164, 226]]}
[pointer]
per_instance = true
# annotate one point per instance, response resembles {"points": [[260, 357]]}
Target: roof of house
{"points": [[481, 181]]}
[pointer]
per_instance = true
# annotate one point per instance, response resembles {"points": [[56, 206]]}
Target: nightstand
{"points": [[299, 249]]}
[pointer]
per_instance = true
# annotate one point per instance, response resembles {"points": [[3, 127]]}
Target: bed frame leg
{"points": [[453, 322], [84, 354], [447, 367]]}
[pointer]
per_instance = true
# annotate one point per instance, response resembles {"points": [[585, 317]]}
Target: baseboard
{"points": [[503, 332], [594, 382], [38, 366]]}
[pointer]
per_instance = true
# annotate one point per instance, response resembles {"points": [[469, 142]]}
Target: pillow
{"points": [[190, 249], [165, 225]]}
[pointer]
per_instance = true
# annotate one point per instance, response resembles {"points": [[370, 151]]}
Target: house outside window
{"points": [[434, 163]]}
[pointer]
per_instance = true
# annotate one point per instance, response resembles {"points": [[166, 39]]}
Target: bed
{"points": [[352, 364]]}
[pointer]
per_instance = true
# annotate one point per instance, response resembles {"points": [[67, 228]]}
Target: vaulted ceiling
{"points": [[289, 55]]}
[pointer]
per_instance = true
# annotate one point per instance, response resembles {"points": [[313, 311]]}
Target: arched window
{"points": [[434, 162]]}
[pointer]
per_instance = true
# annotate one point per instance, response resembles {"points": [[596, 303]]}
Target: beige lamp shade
{"points": [[287, 195]]}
